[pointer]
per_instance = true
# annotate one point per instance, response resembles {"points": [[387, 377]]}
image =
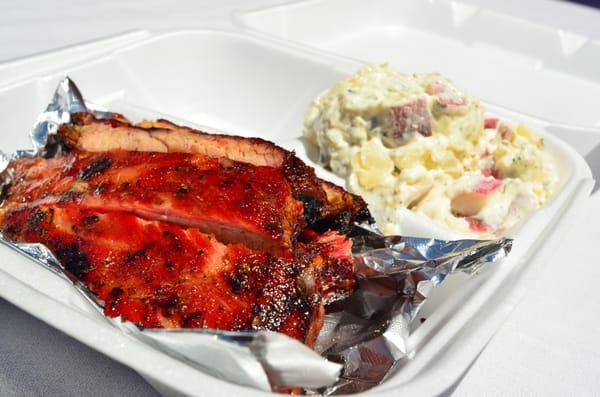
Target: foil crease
{"points": [[395, 274], [363, 337]]}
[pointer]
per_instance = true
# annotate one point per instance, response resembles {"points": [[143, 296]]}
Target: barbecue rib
{"points": [[173, 227], [160, 275], [237, 202], [324, 203]]}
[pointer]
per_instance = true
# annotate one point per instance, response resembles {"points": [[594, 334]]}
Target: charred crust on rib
{"points": [[312, 208], [69, 196], [237, 284], [169, 264], [90, 220], [182, 191], [95, 168], [36, 220], [131, 257], [341, 222], [54, 146], [115, 297], [74, 260], [169, 305], [192, 320]]}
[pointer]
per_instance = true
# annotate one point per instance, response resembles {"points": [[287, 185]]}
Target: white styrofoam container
{"points": [[17, 70], [261, 87]]}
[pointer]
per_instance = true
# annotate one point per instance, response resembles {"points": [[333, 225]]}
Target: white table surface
{"points": [[547, 346]]}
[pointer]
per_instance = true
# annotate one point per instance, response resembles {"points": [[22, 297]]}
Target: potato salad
{"points": [[416, 142]]}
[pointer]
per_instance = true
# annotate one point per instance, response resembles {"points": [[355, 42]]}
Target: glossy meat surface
{"points": [[158, 274], [324, 203], [173, 227], [237, 202]]}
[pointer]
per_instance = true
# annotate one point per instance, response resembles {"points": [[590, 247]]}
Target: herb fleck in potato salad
{"points": [[417, 142]]}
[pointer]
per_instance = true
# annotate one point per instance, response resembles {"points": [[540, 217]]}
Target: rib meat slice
{"points": [[238, 202], [324, 203], [161, 275]]}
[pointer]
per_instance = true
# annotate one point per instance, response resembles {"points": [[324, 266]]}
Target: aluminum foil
{"points": [[363, 337]]}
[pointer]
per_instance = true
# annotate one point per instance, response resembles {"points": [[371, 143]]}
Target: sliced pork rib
{"points": [[323, 201], [173, 227], [237, 202], [160, 275]]}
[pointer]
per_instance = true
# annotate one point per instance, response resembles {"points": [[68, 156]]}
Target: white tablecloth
{"points": [[548, 345]]}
